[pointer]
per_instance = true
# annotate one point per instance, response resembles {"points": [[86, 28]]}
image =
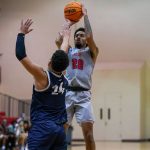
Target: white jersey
{"points": [[80, 68]]}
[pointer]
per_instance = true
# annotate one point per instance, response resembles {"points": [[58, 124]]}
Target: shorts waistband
{"points": [[77, 89]]}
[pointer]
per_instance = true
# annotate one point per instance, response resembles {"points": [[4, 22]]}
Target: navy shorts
{"points": [[47, 136]]}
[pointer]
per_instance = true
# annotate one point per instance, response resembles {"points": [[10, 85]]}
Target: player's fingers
{"points": [[29, 22], [26, 23], [30, 30]]}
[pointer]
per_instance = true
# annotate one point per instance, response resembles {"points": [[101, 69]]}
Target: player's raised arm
{"points": [[89, 35], [66, 36], [59, 40], [21, 55]]}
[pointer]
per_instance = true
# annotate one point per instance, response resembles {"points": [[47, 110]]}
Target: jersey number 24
{"points": [[58, 89]]}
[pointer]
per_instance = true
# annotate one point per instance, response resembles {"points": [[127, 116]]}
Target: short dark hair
{"points": [[59, 61], [79, 29]]}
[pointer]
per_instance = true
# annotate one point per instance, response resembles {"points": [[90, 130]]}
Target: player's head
{"points": [[59, 61], [80, 38]]}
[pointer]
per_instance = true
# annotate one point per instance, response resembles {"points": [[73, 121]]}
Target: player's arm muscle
{"points": [[90, 40], [35, 70], [89, 35]]}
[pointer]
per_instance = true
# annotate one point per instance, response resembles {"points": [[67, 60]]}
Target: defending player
{"points": [[48, 110]]}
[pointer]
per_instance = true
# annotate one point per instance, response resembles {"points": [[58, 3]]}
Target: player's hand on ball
{"points": [[84, 10]]}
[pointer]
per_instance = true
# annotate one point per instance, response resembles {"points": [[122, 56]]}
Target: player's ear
{"points": [[86, 43], [49, 64]]}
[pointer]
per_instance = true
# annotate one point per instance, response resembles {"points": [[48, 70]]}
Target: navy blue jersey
{"points": [[49, 103]]}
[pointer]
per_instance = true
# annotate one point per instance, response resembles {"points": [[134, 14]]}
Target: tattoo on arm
{"points": [[88, 29]]}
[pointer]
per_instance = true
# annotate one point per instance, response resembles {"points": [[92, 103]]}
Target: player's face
{"points": [[80, 39]]}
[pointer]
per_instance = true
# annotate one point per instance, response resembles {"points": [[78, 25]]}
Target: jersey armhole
{"points": [[49, 82]]}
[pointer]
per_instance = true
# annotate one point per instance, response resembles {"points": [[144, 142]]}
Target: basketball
{"points": [[73, 11]]}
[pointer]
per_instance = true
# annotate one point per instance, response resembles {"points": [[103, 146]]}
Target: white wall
{"points": [[125, 82], [146, 99], [48, 18]]}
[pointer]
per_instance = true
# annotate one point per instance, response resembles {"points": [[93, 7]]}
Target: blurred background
{"points": [[121, 83]]}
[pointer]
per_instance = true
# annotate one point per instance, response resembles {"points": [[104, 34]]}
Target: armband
{"points": [[20, 47]]}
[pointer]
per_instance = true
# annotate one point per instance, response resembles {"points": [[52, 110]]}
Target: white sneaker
{"points": [[22, 148], [26, 147], [3, 147]]}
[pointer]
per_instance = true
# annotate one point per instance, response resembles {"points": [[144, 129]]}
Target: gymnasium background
{"points": [[121, 79]]}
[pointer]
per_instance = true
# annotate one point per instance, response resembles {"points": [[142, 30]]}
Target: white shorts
{"points": [[79, 103]]}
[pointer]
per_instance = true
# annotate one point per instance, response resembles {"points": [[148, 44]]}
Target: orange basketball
{"points": [[73, 11]]}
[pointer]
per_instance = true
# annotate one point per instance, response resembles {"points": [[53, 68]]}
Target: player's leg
{"points": [[69, 107], [42, 136], [60, 142], [84, 116], [87, 128], [70, 97]]}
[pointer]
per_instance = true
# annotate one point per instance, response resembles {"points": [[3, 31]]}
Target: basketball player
{"points": [[48, 110], [82, 59]]}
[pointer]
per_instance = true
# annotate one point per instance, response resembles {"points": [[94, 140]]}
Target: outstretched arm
{"points": [[32, 68], [89, 35], [66, 36], [59, 39]]}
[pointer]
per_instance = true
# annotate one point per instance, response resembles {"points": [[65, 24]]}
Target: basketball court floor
{"points": [[114, 146]]}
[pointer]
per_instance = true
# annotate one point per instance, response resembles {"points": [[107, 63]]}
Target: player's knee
{"points": [[89, 137]]}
